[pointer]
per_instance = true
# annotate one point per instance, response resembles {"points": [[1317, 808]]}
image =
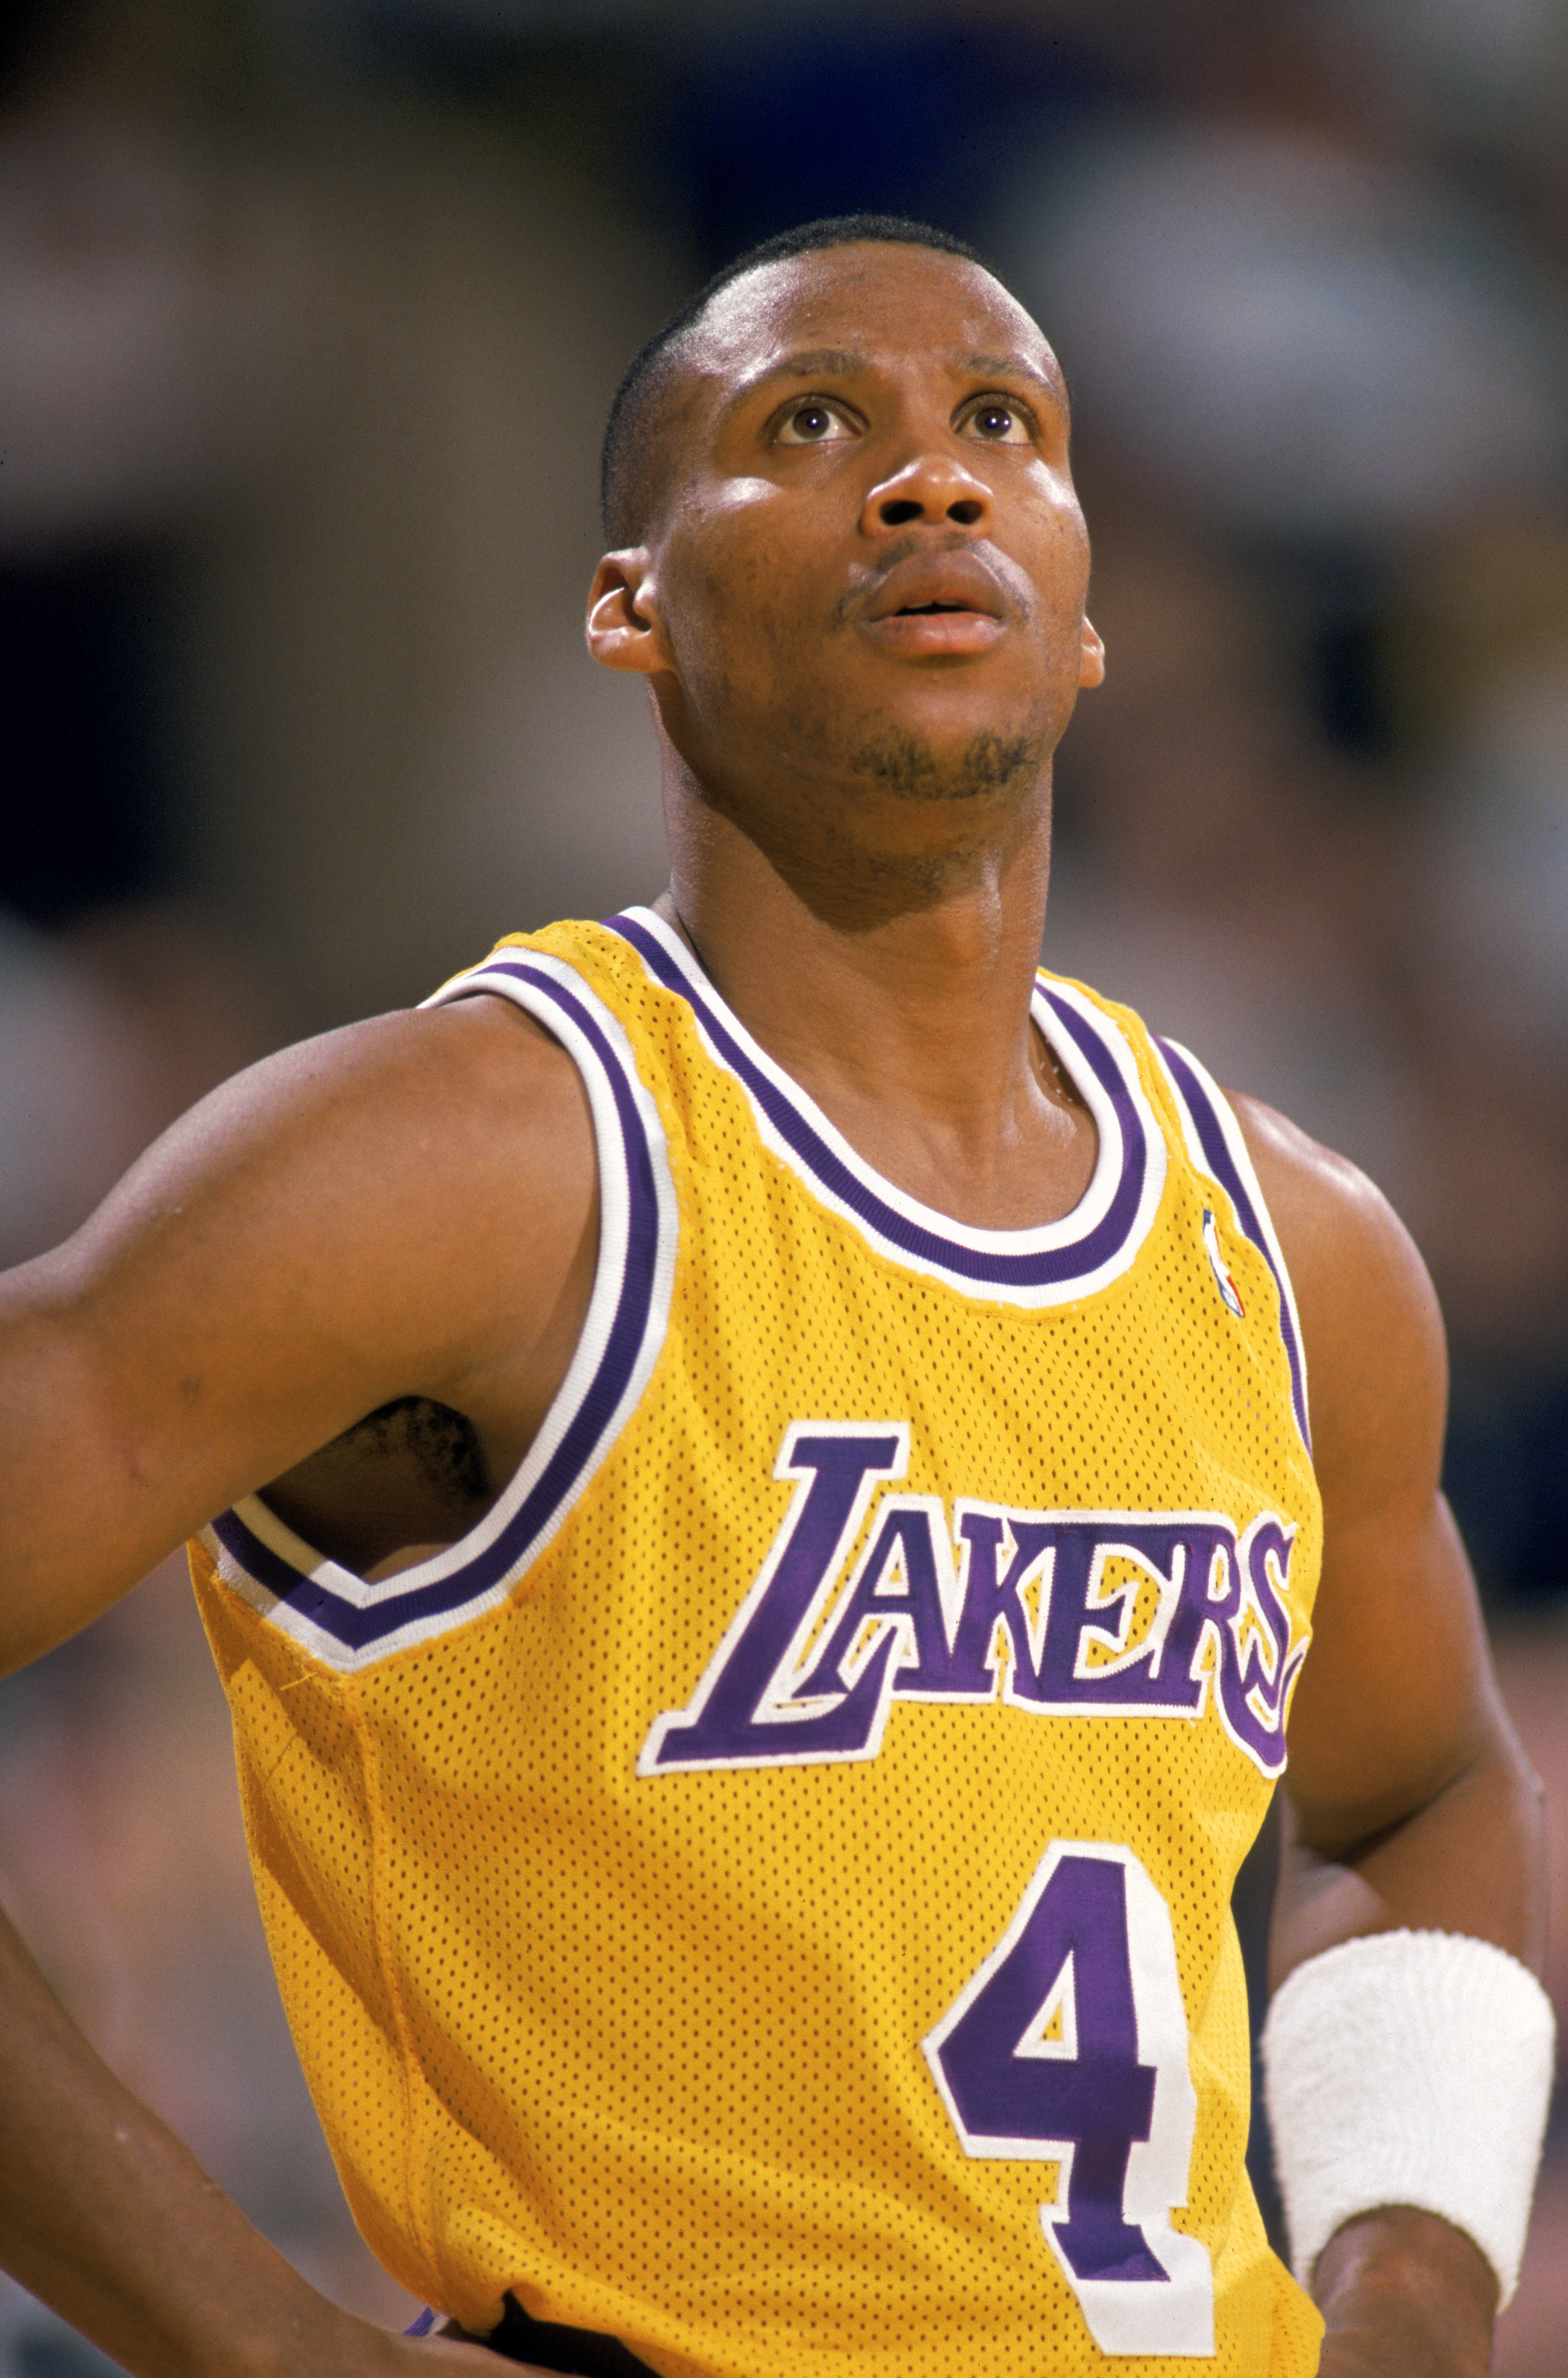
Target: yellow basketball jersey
{"points": [[764, 1894]]}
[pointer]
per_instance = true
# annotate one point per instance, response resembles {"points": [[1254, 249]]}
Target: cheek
{"points": [[735, 615], [1064, 554]]}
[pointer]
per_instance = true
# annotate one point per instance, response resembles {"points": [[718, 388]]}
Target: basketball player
{"points": [[748, 1745]]}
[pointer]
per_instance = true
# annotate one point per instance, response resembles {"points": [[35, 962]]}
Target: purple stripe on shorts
{"points": [[1041, 1267], [1212, 1139], [359, 1625]]}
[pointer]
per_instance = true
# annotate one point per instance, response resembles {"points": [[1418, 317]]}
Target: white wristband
{"points": [[1409, 2067]]}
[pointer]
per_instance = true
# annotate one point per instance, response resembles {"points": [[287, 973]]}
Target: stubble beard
{"points": [[909, 766], [851, 877], [825, 840]]}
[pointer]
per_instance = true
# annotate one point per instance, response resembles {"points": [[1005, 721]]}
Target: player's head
{"points": [[847, 543]]}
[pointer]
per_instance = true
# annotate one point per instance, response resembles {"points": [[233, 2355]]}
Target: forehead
{"points": [[883, 300]]}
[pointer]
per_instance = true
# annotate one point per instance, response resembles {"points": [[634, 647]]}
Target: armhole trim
{"points": [[351, 1624], [1215, 1146]]}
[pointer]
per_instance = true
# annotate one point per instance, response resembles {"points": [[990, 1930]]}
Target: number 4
{"points": [[1070, 2046]]}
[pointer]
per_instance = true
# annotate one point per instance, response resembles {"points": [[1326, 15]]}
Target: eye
{"points": [[812, 423], [1001, 422]]}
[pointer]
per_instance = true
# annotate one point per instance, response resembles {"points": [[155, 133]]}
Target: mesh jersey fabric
{"points": [[765, 1895]]}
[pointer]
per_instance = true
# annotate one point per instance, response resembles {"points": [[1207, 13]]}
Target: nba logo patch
{"points": [[1223, 1281]]}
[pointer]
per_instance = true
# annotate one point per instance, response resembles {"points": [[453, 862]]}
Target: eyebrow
{"points": [[844, 363], [841, 363], [1017, 367]]}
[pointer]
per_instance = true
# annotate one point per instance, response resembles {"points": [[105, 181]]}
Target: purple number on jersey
{"points": [[1070, 2046]]}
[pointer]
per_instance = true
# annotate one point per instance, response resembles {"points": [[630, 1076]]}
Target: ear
{"points": [[624, 630], [1091, 655]]}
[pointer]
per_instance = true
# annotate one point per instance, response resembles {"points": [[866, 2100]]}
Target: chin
{"points": [[916, 765]]}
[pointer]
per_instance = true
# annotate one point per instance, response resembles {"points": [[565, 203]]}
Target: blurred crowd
{"points": [[309, 315]]}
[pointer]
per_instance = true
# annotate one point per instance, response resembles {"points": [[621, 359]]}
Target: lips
{"points": [[931, 585], [935, 607]]}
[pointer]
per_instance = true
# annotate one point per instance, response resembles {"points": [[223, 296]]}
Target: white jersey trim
{"points": [[1218, 1149], [1054, 1263], [352, 1624]]}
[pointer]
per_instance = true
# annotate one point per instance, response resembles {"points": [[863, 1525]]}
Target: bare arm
{"points": [[298, 1252], [108, 2218], [1408, 1801]]}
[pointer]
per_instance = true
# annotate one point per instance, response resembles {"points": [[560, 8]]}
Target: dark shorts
{"points": [[582, 2352]]}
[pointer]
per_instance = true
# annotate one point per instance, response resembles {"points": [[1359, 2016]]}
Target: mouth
{"points": [[933, 605], [927, 585]]}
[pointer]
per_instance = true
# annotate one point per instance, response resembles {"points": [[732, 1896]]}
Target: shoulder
{"points": [[373, 1213], [399, 1100], [1371, 1330], [479, 1054], [403, 1208], [399, 1130]]}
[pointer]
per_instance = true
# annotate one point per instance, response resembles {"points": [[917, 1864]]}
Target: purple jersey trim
{"points": [[980, 1268], [1215, 1142], [358, 1626]]}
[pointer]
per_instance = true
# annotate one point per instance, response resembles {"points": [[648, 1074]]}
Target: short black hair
{"points": [[627, 492]]}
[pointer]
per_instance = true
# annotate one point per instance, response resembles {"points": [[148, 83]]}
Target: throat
{"points": [[1034, 1171]]}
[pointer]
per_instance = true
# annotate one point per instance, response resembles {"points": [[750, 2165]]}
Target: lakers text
{"points": [[1064, 1613]]}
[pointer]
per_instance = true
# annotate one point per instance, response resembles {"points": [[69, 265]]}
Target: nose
{"points": [[936, 488]]}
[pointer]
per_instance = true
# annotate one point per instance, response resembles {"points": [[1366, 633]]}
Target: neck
{"points": [[901, 1002]]}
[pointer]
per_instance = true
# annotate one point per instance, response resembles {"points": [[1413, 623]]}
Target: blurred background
{"points": [[309, 314]]}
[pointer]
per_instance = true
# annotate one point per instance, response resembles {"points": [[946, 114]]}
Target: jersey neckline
{"points": [[1051, 1263]]}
